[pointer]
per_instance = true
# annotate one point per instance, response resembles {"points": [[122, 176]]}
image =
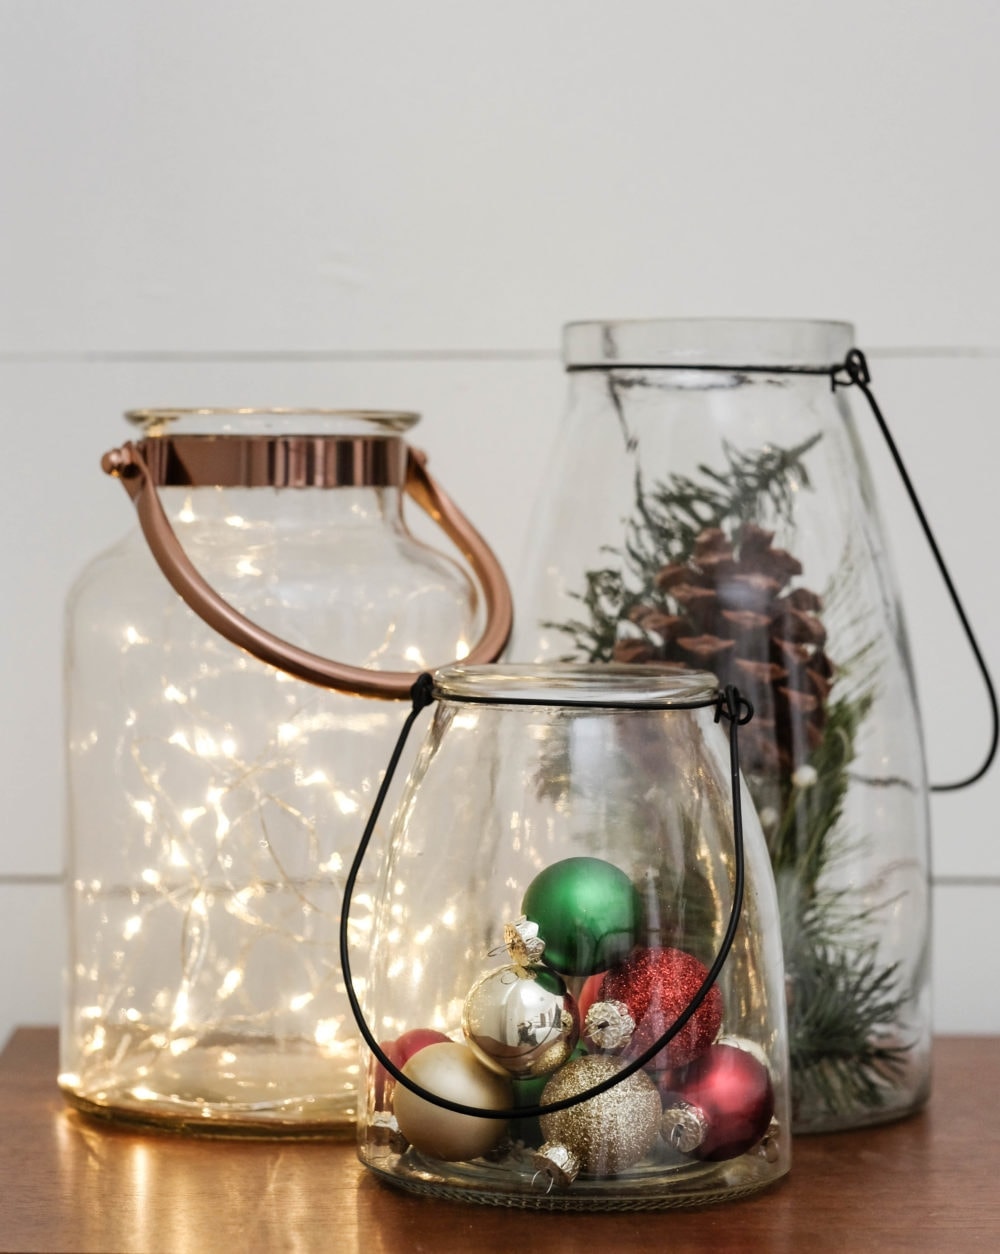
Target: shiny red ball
{"points": [[732, 1091], [657, 985]]}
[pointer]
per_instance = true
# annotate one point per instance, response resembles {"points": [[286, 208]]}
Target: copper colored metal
{"points": [[276, 461], [129, 464]]}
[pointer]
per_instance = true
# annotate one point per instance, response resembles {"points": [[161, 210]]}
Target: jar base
{"points": [[651, 1187], [211, 1123], [231, 1087]]}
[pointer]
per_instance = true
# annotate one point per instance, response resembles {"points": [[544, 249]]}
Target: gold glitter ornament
{"points": [[604, 1135]]}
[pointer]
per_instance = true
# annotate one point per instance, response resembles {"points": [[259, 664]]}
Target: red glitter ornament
{"points": [[642, 997], [719, 1106]]}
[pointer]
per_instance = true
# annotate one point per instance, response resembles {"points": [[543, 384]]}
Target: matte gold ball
{"points": [[451, 1071]]}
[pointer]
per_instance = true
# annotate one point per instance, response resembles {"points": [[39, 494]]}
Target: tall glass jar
{"points": [[710, 504], [561, 904], [215, 798]]}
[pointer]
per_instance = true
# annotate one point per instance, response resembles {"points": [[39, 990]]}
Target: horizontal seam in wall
{"points": [[110, 356], [27, 880], [120, 356], [937, 881]]}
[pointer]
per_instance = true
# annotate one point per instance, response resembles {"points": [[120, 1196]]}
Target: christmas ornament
{"points": [[719, 1106], [604, 1135], [452, 1071], [400, 1051], [640, 999], [520, 1019], [588, 912]]}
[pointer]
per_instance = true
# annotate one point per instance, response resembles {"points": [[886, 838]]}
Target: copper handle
{"points": [[128, 464]]}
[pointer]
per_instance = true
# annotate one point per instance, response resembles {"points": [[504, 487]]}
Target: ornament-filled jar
{"points": [[570, 903], [710, 505], [215, 798]]}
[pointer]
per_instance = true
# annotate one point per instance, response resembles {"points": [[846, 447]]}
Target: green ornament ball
{"points": [[588, 913]]}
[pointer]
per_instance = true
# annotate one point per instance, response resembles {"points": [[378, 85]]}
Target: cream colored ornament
{"points": [[451, 1071]]}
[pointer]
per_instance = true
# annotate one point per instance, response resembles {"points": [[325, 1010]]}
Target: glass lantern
{"points": [[575, 995], [710, 504], [215, 797]]}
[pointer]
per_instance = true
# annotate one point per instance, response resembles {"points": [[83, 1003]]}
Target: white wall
{"points": [[223, 201]]}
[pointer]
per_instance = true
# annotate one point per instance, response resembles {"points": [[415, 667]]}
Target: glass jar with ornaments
{"points": [[575, 990], [221, 762], [710, 504]]}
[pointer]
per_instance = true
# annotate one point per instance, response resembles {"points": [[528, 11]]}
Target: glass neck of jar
{"points": [[730, 346]]}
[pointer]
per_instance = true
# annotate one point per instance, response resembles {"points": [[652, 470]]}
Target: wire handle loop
{"points": [[129, 464], [857, 373], [729, 704]]}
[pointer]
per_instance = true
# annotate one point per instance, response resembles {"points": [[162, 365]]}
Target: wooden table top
{"points": [[931, 1182]]}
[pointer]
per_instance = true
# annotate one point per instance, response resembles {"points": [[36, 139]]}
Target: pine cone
{"points": [[728, 609]]}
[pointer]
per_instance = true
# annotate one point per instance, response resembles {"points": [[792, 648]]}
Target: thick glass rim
{"points": [[727, 343], [614, 684], [288, 420]]}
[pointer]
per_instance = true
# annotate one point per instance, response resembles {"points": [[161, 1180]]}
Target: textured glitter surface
{"points": [[657, 985], [611, 1132]]}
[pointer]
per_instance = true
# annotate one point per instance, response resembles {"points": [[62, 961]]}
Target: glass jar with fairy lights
{"points": [[220, 764], [575, 992]]}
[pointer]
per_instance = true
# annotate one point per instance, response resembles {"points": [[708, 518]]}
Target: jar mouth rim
{"points": [[156, 419], [597, 684], [801, 344]]}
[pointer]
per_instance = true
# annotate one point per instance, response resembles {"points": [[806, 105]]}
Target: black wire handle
{"points": [[855, 372], [730, 705]]}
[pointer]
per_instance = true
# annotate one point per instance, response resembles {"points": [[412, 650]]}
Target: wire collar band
{"points": [[729, 705]]}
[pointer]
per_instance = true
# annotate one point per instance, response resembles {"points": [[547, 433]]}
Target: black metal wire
{"points": [[855, 368], [729, 704], [854, 371]]}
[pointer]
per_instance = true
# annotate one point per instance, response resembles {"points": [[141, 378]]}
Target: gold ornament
{"points": [[451, 1071], [604, 1135]]}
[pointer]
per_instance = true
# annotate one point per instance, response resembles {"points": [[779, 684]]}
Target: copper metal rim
{"points": [[276, 461]]}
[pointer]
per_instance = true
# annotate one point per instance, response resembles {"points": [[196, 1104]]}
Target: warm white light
{"points": [[189, 816], [287, 732], [235, 520], [134, 636], [180, 1011], [413, 654], [133, 927], [234, 978], [462, 650], [143, 808], [170, 693], [247, 566], [314, 777], [344, 803], [151, 876], [300, 1001]]}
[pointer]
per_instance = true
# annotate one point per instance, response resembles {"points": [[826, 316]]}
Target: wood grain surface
{"points": [[928, 1183]]}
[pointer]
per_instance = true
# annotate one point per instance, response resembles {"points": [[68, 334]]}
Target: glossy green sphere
{"points": [[587, 911]]}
